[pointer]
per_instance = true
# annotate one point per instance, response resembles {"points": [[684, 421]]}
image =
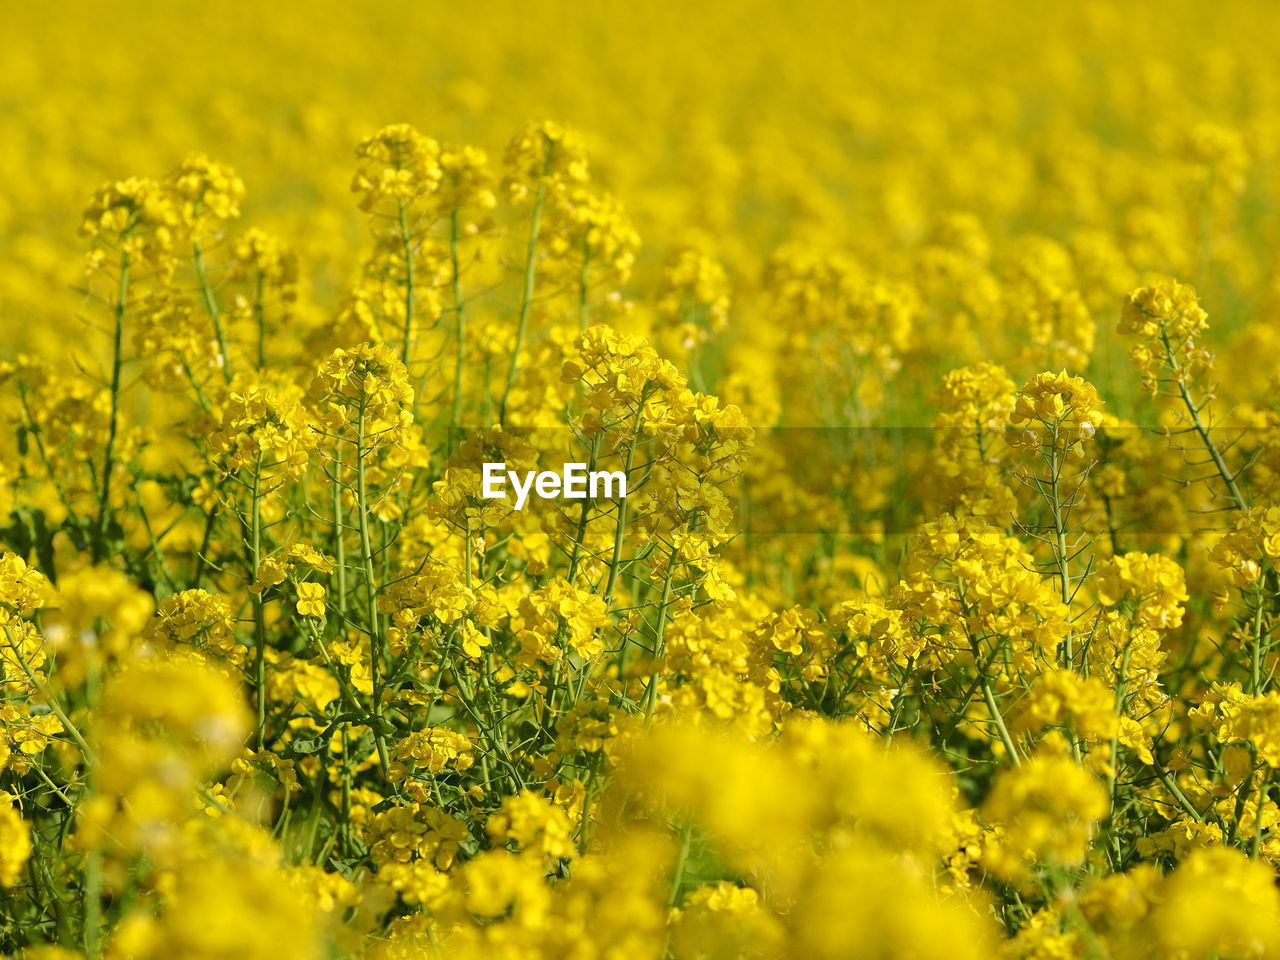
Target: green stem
{"points": [[584, 277], [651, 695], [526, 300], [460, 316], [113, 427], [576, 554], [1061, 554], [460, 319], [682, 861], [1178, 795], [259, 613], [260, 312], [1255, 666], [48, 696], [211, 307], [407, 248], [989, 695], [339, 544], [1193, 414], [615, 561], [371, 594], [1264, 788], [92, 903]]}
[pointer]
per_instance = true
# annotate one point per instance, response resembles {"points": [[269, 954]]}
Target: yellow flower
{"points": [[310, 599], [15, 842], [1047, 808]]}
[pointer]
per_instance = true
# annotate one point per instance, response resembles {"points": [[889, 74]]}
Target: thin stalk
{"points": [[259, 614], [1193, 414], [339, 545], [526, 299], [576, 554], [205, 540], [682, 861], [92, 903], [1255, 841], [1114, 776], [49, 697], [460, 321], [616, 561], [260, 313], [1061, 553], [113, 428], [1255, 666], [651, 695], [371, 594], [211, 307], [407, 249], [1178, 795], [584, 283], [989, 695]]}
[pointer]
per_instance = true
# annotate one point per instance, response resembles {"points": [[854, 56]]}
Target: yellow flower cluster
{"points": [[1166, 320]]}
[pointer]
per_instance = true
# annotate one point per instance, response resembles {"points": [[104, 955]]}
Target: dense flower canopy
{"points": [[934, 344]]}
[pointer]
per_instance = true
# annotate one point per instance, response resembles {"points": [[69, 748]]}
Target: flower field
{"points": [[919, 366]]}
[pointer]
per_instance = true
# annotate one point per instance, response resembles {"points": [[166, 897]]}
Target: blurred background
{"points": [[991, 159]]}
